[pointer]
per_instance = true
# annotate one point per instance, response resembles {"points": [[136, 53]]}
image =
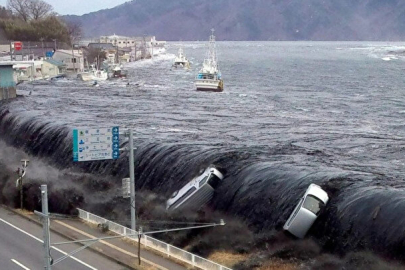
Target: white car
{"points": [[307, 210], [198, 192]]}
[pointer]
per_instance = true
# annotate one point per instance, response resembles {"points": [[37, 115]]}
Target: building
{"points": [[73, 59], [110, 50], [7, 81], [27, 70], [122, 41], [52, 68]]}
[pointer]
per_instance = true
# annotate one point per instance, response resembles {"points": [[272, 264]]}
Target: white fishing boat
{"points": [[209, 78], [93, 74], [181, 60]]}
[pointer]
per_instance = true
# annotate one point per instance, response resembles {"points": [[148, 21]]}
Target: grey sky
{"points": [[78, 7]]}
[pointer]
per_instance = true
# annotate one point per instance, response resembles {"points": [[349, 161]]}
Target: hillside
{"points": [[251, 19]]}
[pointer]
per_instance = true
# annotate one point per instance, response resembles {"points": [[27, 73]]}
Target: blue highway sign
{"points": [[96, 144]]}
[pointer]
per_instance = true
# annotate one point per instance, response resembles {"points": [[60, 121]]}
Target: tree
{"points": [[5, 13], [74, 30], [39, 9], [30, 9], [19, 7], [96, 55]]}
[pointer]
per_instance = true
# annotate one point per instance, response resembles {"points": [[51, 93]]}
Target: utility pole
{"points": [[21, 173], [73, 53], [42, 41], [45, 218], [132, 178], [55, 46], [139, 244]]}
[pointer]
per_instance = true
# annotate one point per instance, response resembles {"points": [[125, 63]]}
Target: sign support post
{"points": [[45, 222], [132, 178]]}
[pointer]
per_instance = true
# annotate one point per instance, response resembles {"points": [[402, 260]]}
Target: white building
{"points": [[73, 59], [122, 41], [52, 68], [27, 70]]}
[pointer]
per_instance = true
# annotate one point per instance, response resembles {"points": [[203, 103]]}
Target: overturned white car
{"points": [[307, 210], [198, 192]]}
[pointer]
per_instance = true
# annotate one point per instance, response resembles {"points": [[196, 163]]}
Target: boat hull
{"points": [[92, 77], [209, 85]]}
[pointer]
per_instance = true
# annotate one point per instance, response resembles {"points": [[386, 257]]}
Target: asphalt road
{"points": [[21, 248]]}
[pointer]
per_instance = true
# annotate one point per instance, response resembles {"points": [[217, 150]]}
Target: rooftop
{"points": [[69, 52], [55, 62], [104, 46]]}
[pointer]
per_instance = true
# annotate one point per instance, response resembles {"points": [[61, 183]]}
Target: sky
{"points": [[78, 7]]}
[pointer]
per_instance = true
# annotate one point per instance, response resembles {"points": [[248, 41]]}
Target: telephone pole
{"points": [[21, 173], [42, 41]]}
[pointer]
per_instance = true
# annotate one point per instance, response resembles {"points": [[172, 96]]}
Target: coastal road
{"points": [[21, 248]]}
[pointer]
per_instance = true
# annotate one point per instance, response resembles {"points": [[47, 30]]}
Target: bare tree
{"points": [[30, 9], [74, 30], [5, 13], [39, 9], [20, 8], [96, 56]]}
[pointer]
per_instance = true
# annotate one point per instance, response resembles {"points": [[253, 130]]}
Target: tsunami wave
{"points": [[261, 186]]}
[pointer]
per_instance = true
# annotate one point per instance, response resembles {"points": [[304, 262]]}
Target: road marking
{"points": [[36, 238], [20, 264], [109, 245]]}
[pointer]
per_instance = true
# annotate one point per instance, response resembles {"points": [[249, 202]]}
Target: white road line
{"points": [[57, 249], [20, 264]]}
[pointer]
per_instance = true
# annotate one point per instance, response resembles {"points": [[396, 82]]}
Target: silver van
{"points": [[307, 210], [196, 193]]}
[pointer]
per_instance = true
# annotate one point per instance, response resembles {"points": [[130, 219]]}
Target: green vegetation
{"points": [[34, 20], [48, 28]]}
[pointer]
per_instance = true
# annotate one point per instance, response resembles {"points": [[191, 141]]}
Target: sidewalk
{"points": [[119, 250]]}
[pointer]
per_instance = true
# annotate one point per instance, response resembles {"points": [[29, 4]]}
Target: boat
{"points": [[209, 77], [93, 74], [197, 193], [118, 72], [181, 60]]}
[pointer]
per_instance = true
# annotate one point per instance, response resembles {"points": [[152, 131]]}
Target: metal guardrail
{"points": [[157, 245]]}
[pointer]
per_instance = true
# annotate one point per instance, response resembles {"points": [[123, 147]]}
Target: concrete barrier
{"points": [[7, 93]]}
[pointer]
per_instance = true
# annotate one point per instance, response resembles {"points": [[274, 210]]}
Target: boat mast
{"points": [[212, 55]]}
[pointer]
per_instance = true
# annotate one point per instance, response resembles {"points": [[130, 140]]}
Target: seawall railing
{"points": [[154, 244]]}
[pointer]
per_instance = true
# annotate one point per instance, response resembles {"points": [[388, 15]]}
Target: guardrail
{"points": [[157, 245]]}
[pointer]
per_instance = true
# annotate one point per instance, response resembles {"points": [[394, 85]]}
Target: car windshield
{"points": [[313, 204]]}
